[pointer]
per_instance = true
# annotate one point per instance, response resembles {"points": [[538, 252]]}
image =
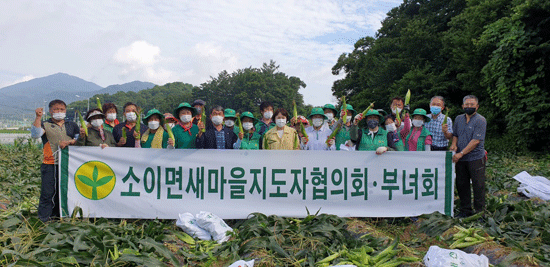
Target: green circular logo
{"points": [[94, 180]]}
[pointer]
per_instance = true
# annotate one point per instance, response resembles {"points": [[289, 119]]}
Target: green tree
{"points": [[244, 89], [406, 54], [516, 75], [164, 98], [468, 56]]}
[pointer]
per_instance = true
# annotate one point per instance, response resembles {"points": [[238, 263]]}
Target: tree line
{"points": [[497, 50], [242, 90]]}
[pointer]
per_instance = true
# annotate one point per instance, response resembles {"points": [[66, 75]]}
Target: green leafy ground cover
{"points": [[513, 231]]}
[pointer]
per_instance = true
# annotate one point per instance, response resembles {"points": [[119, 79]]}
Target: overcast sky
{"points": [[114, 42]]}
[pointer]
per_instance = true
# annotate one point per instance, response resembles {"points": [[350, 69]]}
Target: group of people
{"points": [[325, 128]]}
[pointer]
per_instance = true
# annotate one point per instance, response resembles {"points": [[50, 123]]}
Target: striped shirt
{"points": [[434, 126]]}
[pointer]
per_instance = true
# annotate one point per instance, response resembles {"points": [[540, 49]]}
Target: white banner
{"points": [[161, 183]]}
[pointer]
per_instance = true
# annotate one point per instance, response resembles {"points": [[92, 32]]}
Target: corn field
{"points": [[514, 231]]}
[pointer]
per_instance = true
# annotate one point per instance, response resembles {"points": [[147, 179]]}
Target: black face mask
{"points": [[372, 124], [470, 111]]}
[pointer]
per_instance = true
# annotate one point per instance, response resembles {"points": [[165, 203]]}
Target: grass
{"points": [[520, 227]]}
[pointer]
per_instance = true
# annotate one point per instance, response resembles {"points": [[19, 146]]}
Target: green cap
{"points": [[184, 105], [350, 107], [331, 107], [376, 113], [317, 111], [229, 113], [422, 112], [249, 114], [151, 113]]}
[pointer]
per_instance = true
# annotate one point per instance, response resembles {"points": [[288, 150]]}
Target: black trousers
{"points": [[474, 171], [48, 205]]}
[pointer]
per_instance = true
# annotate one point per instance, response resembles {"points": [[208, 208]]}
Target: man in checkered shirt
{"points": [[441, 134]]}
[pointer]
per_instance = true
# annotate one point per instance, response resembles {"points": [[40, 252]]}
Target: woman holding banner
{"points": [[281, 137], [419, 138], [318, 132], [374, 138], [249, 137], [155, 136], [330, 112], [185, 131], [110, 111], [393, 135], [95, 135], [343, 136], [125, 133]]}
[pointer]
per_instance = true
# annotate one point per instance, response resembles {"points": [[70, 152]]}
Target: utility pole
{"points": [[88, 101]]}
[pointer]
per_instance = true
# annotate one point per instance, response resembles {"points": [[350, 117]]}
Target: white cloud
{"points": [[23, 79], [140, 58], [189, 41], [138, 54], [209, 58]]}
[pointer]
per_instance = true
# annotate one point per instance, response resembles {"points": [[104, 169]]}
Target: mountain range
{"points": [[25, 97]]}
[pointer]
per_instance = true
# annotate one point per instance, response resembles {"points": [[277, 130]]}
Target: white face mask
{"points": [[391, 127], [247, 126], [153, 125], [58, 116], [111, 116], [317, 122], [330, 116], [171, 125], [268, 115], [348, 118], [396, 110], [217, 120], [280, 122], [417, 123], [185, 118], [131, 116], [229, 123], [96, 122]]}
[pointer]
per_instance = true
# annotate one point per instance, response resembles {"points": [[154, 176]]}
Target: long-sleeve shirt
{"points": [[405, 127], [288, 140], [130, 139], [94, 138], [318, 139]]}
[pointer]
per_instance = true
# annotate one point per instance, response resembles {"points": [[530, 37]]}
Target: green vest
{"points": [[421, 139], [107, 127], [370, 144], [341, 137], [258, 126], [251, 142], [183, 139], [399, 145], [236, 130]]}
